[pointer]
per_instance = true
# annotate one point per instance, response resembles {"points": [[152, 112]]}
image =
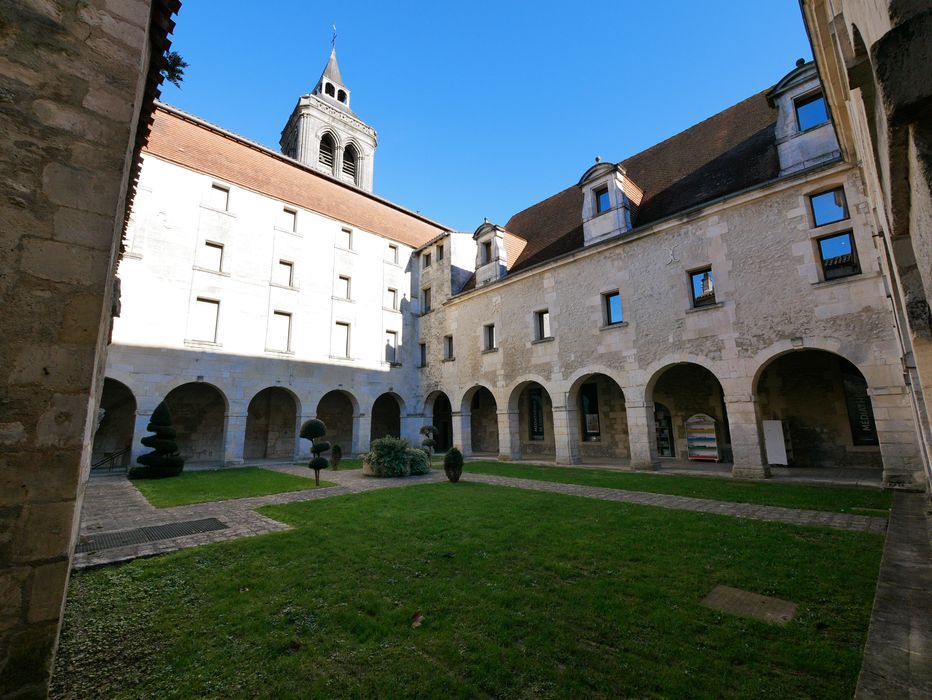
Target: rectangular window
{"points": [[391, 299], [425, 260], [280, 331], [392, 255], [219, 197], [422, 352], [839, 257], [425, 299], [535, 413], [448, 347], [589, 412], [439, 252], [602, 201], [284, 273], [391, 347], [343, 287], [345, 239], [289, 220], [487, 252], [204, 320], [703, 287], [212, 256], [340, 342], [811, 111], [542, 324], [829, 207], [488, 333], [611, 303]]}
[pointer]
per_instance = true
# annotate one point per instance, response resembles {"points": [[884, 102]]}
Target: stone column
{"points": [[747, 444], [642, 434], [565, 435], [462, 431], [509, 437], [234, 434], [362, 427], [896, 432]]}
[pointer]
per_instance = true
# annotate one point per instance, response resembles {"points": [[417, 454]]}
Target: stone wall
{"points": [[270, 426], [336, 411], [71, 84], [197, 412]]}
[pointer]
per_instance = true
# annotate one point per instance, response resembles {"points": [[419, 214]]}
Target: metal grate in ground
{"points": [[153, 533]]}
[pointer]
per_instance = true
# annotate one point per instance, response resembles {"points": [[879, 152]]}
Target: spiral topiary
{"points": [[164, 460]]}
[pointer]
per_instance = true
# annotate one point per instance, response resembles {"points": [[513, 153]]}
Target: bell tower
{"points": [[324, 133]]}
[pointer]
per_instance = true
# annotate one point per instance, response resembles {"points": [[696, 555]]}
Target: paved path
{"points": [[898, 656]]}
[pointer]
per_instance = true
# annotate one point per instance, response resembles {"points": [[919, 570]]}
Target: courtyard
{"points": [[521, 581]]}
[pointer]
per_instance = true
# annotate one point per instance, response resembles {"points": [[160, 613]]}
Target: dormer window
{"points": [[602, 200], [811, 111], [327, 148]]}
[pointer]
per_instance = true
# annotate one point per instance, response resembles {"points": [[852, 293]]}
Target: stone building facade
{"points": [[718, 296], [77, 82]]}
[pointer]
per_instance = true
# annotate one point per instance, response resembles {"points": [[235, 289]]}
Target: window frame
{"points": [[349, 330], [489, 340], [348, 232], [425, 260], [216, 305], [696, 304], [486, 255], [393, 292], [812, 211], [607, 308], [439, 252], [422, 354], [448, 348], [282, 264], [394, 347], [808, 99], [220, 247], [854, 255], [597, 198], [292, 213], [287, 347], [541, 333], [218, 187], [425, 300], [393, 253]]}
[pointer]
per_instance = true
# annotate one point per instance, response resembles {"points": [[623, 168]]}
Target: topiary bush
{"points": [[336, 456], [386, 457], [418, 461], [164, 460], [313, 430], [430, 440], [453, 464]]}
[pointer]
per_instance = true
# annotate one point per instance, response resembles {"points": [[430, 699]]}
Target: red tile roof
{"points": [[194, 144]]}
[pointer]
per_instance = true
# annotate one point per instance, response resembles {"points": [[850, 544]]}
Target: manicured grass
{"points": [[523, 594], [864, 501], [221, 485]]}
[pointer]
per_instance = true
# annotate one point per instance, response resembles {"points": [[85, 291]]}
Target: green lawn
{"points": [[523, 594], [221, 485], [864, 501]]}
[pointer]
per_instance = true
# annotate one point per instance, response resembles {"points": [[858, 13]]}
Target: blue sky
{"points": [[485, 108]]}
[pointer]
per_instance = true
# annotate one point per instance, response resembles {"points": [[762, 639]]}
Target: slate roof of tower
{"points": [[332, 70], [729, 152]]}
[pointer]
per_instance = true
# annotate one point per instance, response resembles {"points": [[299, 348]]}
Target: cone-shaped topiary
{"points": [[336, 456], [430, 439], [164, 459], [312, 430], [453, 464]]}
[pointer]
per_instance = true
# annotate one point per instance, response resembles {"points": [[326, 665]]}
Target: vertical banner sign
{"points": [[536, 413], [860, 413]]}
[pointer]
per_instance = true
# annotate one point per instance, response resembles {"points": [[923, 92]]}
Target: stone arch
{"points": [[387, 410], [338, 409], [327, 150], [513, 391], [657, 368], [350, 165], [597, 402], [116, 421], [439, 410], [532, 403], [480, 404], [687, 389], [853, 354], [271, 422], [825, 414], [198, 411]]}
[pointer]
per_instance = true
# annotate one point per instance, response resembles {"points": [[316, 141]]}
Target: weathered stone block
{"points": [[47, 592]]}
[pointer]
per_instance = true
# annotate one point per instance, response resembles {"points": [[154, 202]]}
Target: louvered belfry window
{"points": [[349, 162], [326, 151]]}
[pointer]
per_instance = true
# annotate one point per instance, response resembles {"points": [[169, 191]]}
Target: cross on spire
{"points": [[333, 39]]}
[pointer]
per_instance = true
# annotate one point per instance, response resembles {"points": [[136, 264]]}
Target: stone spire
{"points": [[332, 70]]}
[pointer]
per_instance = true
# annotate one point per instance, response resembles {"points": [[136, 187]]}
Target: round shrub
{"points": [[418, 462], [453, 464], [388, 457]]}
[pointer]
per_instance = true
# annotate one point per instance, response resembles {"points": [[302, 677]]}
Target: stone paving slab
{"points": [[747, 604], [818, 518], [898, 655]]}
